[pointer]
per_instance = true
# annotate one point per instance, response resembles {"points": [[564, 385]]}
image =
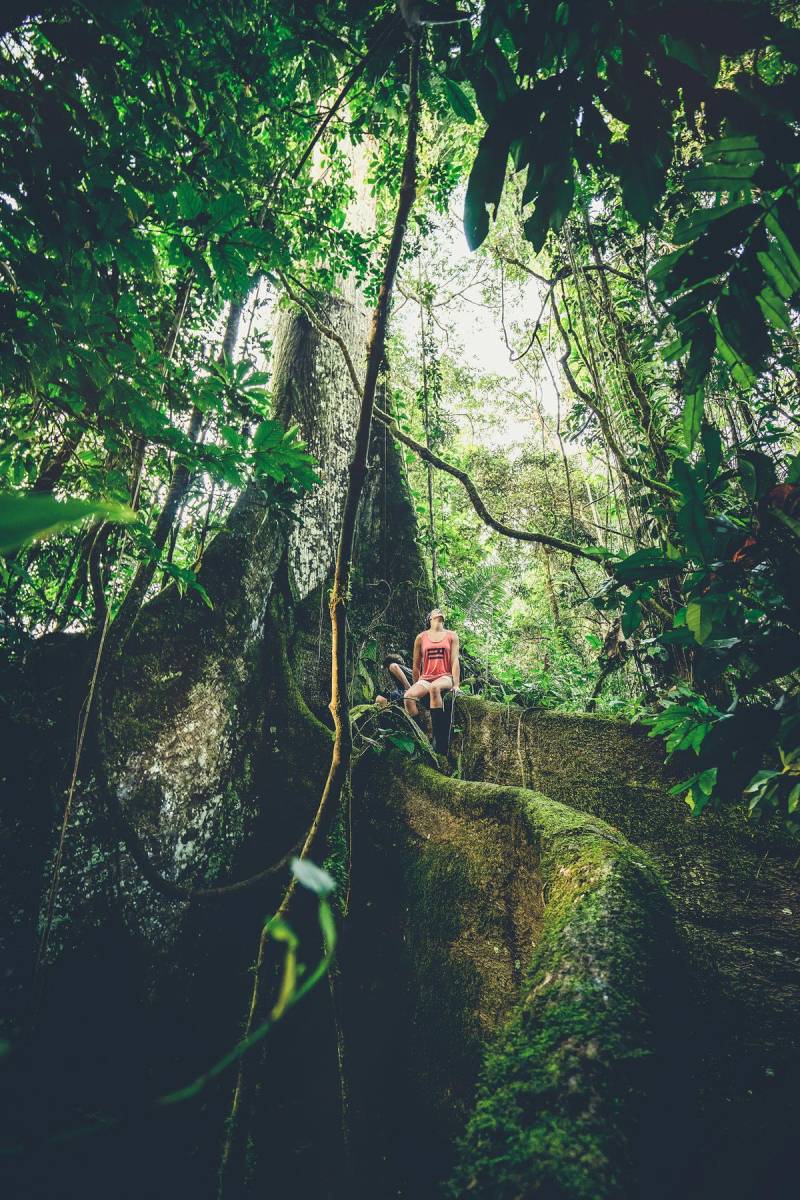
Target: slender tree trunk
{"points": [[637, 392], [206, 524], [429, 468], [53, 468], [551, 591], [592, 505], [79, 582], [78, 546], [96, 573], [50, 475], [131, 605], [176, 494]]}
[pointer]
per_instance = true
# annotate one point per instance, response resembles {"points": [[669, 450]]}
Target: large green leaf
{"points": [[692, 416], [30, 518], [757, 472], [783, 222], [694, 55], [712, 450], [743, 148], [649, 563], [458, 101], [226, 210], [700, 356], [642, 170], [742, 373], [720, 177], [699, 620], [632, 615], [692, 226], [743, 327], [552, 209], [232, 268], [485, 185], [691, 518], [774, 308], [777, 267], [190, 202]]}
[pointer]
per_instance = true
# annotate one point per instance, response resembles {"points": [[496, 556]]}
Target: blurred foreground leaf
{"points": [[29, 518]]}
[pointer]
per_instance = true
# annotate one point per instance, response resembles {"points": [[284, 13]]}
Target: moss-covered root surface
{"points": [[565, 1046], [735, 889]]}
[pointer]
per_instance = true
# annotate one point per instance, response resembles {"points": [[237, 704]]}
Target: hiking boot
{"points": [[440, 720]]}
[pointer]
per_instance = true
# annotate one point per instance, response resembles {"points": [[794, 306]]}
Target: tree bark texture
{"points": [[210, 751]]}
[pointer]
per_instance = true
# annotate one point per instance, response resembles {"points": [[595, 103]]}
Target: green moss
{"points": [[226, 835], [560, 1088], [337, 862], [440, 885], [565, 1064], [302, 743]]}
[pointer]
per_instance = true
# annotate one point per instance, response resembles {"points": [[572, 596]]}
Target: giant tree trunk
{"points": [[215, 762]]}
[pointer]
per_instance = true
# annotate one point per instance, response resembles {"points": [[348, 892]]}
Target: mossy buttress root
{"points": [[480, 881]]}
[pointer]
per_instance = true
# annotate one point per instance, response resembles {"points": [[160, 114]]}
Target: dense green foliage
{"points": [[163, 169], [659, 149], [150, 186], [611, 516]]}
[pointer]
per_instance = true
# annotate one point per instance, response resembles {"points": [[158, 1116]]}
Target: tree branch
{"points": [[427, 455], [351, 79], [625, 466], [565, 272], [521, 535]]}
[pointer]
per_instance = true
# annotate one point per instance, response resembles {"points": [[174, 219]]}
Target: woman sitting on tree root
{"points": [[435, 670]]}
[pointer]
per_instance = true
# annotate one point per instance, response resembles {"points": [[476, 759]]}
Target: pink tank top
{"points": [[437, 657]]}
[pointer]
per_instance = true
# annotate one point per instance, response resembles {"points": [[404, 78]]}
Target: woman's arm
{"points": [[416, 665], [455, 661], [398, 674]]}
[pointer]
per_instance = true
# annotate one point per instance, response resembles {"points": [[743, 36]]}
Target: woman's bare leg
{"points": [[414, 693], [437, 688]]}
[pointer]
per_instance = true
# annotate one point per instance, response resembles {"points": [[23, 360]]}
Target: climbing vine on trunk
{"points": [[340, 589]]}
